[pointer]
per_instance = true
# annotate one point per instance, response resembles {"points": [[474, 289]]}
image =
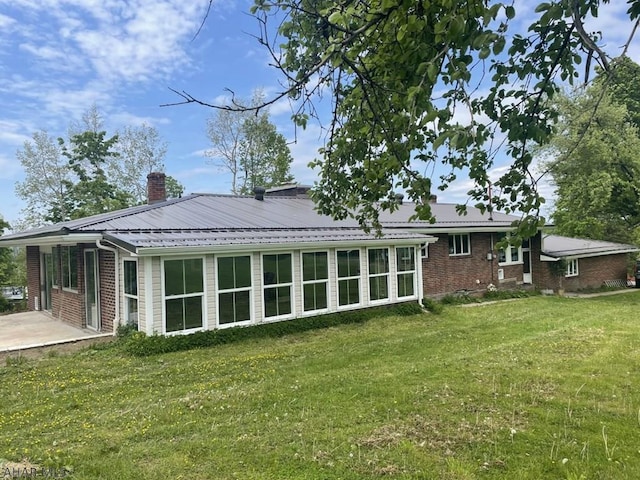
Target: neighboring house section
{"points": [[215, 261], [574, 263]]}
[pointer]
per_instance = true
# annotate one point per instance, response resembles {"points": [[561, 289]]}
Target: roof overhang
{"points": [[266, 247], [51, 239], [554, 257]]}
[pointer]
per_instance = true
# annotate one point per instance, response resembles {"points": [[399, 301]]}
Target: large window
{"points": [[348, 277], [183, 294], [459, 244], [234, 290], [378, 273], [278, 284], [315, 279], [69, 261], [572, 268], [406, 267], [510, 253], [130, 274]]}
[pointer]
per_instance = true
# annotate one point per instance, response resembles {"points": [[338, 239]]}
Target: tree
{"points": [[140, 152], [47, 175], [596, 168], [248, 146], [7, 262], [416, 85], [92, 193]]}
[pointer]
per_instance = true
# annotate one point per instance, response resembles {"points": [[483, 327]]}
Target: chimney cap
{"points": [[399, 197], [259, 193]]}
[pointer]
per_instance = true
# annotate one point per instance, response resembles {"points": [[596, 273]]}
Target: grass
{"points": [[543, 387]]}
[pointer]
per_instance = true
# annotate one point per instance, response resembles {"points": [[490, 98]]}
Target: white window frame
{"points": [[402, 273], [186, 295], [249, 289], [67, 266], [278, 285], [572, 268], [378, 275], [357, 277], [315, 282], [55, 261], [508, 254], [126, 295], [461, 253]]}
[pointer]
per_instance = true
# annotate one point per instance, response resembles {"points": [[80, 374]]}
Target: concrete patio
{"points": [[35, 330]]}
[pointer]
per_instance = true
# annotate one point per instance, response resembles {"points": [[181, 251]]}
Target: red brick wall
{"points": [[592, 272], [444, 274], [33, 275], [67, 305], [107, 270]]}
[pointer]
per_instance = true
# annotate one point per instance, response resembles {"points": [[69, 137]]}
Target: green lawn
{"points": [[543, 387]]}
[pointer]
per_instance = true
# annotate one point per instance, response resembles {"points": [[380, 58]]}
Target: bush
{"points": [[5, 304], [141, 345], [432, 305]]}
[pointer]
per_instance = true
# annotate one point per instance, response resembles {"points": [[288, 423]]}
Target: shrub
{"points": [[432, 305], [141, 345]]}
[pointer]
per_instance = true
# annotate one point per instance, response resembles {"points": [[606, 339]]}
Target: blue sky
{"points": [[59, 57]]}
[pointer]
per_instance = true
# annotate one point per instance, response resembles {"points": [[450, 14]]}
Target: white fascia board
{"points": [[253, 247], [71, 239], [428, 230], [589, 255]]}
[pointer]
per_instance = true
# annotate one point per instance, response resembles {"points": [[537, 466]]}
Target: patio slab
{"points": [[27, 330]]}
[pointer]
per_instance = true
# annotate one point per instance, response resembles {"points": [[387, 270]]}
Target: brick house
{"points": [[214, 261]]}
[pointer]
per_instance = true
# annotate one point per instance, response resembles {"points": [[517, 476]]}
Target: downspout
{"points": [[116, 320]]}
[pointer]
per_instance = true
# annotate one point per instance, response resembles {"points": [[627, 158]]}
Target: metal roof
{"points": [[557, 246], [216, 220]]}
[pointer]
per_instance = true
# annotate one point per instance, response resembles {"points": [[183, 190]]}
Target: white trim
{"points": [[359, 277], [406, 272], [148, 297], [386, 274], [291, 285], [126, 295], [44, 240], [274, 248], [459, 254], [250, 289], [572, 268], [202, 295], [314, 282]]}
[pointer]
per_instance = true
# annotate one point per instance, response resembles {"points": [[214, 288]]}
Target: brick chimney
{"points": [[156, 190]]}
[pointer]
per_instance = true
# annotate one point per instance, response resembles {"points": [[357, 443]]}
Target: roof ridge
{"points": [[127, 212]]}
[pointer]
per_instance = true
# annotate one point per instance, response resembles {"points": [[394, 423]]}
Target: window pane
{"points": [[270, 269], [515, 254], [243, 271], [65, 267], [193, 275], [192, 312], [242, 303], [226, 308], [173, 277], [308, 266], [73, 267], [130, 277], [349, 291], [378, 288], [174, 313], [56, 265], [284, 300], [378, 261], [464, 241], [132, 311], [315, 296], [343, 263], [226, 273], [405, 285], [406, 259], [270, 302], [284, 268]]}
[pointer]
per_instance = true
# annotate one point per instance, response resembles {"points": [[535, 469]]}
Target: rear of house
{"points": [[215, 261]]}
